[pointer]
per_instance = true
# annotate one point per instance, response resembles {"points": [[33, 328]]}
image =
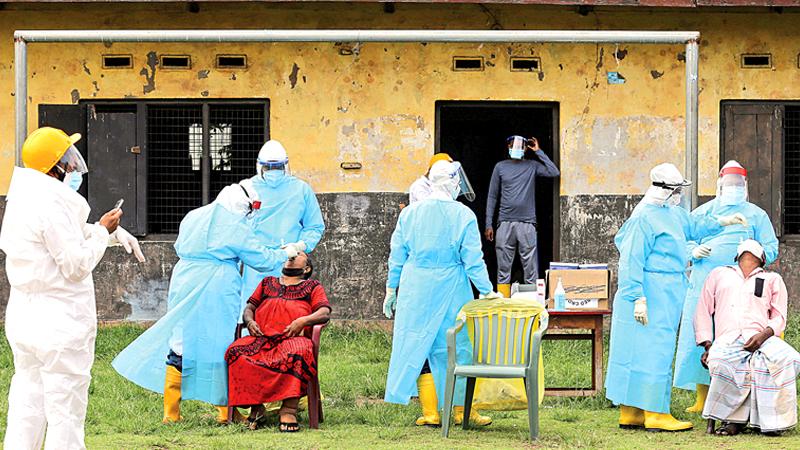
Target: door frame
{"points": [[781, 234], [554, 108]]}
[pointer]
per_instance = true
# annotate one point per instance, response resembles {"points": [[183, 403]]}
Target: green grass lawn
{"points": [[353, 368]]}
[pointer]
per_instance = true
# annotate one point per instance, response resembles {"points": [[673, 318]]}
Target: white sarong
{"points": [[758, 388]]}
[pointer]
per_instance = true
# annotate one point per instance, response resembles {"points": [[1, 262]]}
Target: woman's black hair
{"points": [[310, 265]]}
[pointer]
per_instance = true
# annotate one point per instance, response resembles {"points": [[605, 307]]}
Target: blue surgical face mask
{"points": [[273, 176], [516, 153], [733, 195], [73, 180]]}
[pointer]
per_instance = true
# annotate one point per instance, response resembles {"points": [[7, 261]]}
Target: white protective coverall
{"points": [[51, 319]]}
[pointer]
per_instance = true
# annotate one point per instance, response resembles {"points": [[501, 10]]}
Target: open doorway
{"points": [[474, 133]]}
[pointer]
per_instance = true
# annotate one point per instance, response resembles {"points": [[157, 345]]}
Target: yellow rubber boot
{"points": [[700, 402], [474, 418], [630, 417], [664, 422], [428, 401], [172, 395], [504, 290], [222, 414]]}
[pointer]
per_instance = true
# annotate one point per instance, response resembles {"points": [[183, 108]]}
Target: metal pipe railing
{"points": [[689, 38]]}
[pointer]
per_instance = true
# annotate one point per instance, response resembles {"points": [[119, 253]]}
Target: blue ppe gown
{"points": [[289, 213], [435, 253], [652, 245], [688, 370], [203, 305]]}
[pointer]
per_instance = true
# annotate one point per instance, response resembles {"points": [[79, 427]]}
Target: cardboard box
{"points": [[586, 289]]}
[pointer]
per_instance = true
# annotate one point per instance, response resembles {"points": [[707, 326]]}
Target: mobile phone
{"points": [[119, 203]]}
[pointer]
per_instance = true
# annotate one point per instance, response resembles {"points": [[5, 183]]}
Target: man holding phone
{"points": [[51, 318], [514, 183]]}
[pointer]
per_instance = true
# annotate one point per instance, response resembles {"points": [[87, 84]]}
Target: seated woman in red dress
{"points": [[276, 362]]}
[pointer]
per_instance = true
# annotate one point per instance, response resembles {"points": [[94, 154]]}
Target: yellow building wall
{"points": [[377, 106]]}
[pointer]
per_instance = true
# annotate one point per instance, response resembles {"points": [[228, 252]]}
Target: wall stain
{"points": [[600, 59], [656, 74], [621, 54], [76, 96], [86, 69], [201, 74], [293, 75]]}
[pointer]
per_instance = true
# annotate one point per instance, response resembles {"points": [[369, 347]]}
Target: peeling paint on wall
{"points": [[150, 75], [293, 75], [382, 142]]}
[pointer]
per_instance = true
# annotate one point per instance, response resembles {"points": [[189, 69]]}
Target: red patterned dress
{"points": [[273, 367]]}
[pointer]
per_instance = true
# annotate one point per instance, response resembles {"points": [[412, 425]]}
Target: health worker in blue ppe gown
{"points": [[435, 254], [289, 211], [652, 284], [710, 253], [183, 354]]}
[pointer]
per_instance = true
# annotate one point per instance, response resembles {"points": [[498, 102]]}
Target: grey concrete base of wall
{"points": [[351, 259]]}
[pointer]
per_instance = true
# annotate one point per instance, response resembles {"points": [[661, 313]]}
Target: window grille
{"points": [[175, 155], [791, 170], [173, 180], [237, 134]]}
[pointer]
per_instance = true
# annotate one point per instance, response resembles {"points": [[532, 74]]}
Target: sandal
{"points": [[255, 421], [289, 427], [728, 429]]}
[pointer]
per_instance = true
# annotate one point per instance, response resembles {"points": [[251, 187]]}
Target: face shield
{"points": [[72, 161], [516, 146], [267, 169], [464, 186], [732, 189]]}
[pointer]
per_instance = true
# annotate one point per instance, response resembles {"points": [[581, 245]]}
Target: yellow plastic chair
{"points": [[506, 344]]}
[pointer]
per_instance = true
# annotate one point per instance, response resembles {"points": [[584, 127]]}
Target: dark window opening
{"points": [[176, 62], [791, 170], [117, 61], [525, 64], [467, 63], [757, 61], [231, 61]]}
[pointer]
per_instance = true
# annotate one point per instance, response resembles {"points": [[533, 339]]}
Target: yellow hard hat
{"points": [[439, 157], [45, 147]]}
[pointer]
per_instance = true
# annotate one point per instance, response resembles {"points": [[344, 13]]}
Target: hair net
{"points": [[444, 177], [238, 198], [271, 156], [666, 184]]}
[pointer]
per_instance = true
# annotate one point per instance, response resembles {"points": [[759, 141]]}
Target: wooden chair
{"points": [[510, 350], [315, 416]]}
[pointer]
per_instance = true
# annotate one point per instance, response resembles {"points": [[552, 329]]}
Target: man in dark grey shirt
{"points": [[514, 182]]}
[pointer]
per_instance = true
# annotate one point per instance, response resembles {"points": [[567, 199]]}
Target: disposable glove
{"points": [[640, 311], [299, 245], [701, 251], [492, 295], [389, 302], [734, 219], [291, 250], [120, 236]]}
